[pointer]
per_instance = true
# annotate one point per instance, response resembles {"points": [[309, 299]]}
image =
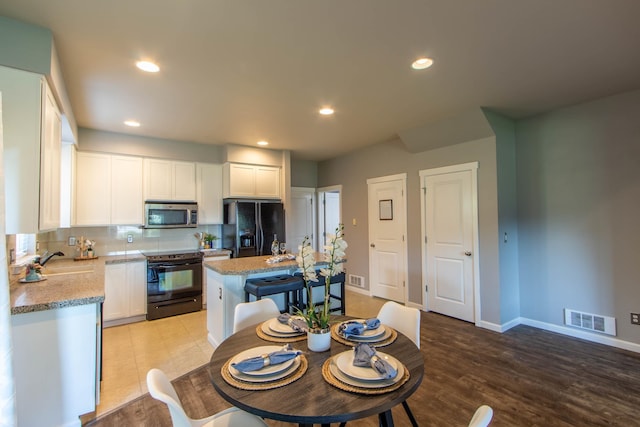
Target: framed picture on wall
{"points": [[386, 209]]}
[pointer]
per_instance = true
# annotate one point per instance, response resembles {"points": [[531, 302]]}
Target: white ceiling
{"points": [[238, 71]]}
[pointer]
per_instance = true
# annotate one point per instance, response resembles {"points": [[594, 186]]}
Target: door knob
{"points": [[468, 253], [373, 245]]}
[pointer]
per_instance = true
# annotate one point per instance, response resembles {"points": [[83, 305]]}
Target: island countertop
{"points": [[255, 265]]}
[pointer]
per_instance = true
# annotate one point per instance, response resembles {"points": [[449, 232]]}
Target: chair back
{"points": [[482, 417], [161, 389], [250, 313], [403, 319]]}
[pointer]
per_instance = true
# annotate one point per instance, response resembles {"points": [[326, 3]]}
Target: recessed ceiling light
{"points": [[147, 66], [326, 111], [132, 123], [263, 143], [422, 63]]}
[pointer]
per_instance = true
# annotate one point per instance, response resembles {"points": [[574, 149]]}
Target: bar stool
{"points": [[272, 285], [338, 278]]}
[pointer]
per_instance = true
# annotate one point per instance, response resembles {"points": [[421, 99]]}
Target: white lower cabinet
{"points": [[125, 290], [55, 355], [204, 275]]}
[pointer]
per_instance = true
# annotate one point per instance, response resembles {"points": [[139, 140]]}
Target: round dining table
{"points": [[310, 399]]}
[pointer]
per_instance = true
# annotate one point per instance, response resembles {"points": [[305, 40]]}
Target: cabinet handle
{"points": [[219, 293]]}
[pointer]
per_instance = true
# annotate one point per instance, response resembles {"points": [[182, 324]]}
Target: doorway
{"points": [[302, 221], [387, 243], [450, 248], [329, 213]]}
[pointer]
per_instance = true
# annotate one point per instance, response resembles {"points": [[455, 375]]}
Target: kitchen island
{"points": [[225, 288]]}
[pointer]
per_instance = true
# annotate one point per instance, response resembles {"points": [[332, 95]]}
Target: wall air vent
{"points": [[592, 322], [356, 281]]}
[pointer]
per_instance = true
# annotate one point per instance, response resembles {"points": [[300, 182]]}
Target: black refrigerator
{"points": [[250, 226]]}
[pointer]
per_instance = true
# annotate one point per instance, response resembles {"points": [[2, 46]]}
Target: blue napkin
{"points": [[365, 355], [351, 328], [296, 323], [274, 358]]}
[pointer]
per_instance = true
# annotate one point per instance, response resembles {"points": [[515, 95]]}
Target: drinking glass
{"points": [[283, 248]]}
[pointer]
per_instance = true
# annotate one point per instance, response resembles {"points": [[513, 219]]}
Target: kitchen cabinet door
{"points": [[184, 181], [126, 190], [50, 157], [157, 179], [209, 193], [125, 290], [137, 284], [28, 116], [204, 275], [215, 308], [93, 189], [251, 181], [169, 180], [116, 295]]}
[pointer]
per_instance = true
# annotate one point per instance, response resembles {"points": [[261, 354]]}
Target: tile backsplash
{"points": [[112, 240]]}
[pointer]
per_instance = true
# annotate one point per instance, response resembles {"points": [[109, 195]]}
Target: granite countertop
{"points": [[254, 264], [82, 283]]}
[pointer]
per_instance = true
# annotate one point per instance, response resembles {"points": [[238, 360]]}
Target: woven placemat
{"points": [[271, 338], [342, 340], [331, 379], [247, 385]]}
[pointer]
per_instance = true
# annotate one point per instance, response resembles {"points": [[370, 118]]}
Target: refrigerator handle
{"points": [[260, 233]]}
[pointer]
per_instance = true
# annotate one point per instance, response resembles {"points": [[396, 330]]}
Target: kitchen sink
{"points": [[64, 273], [63, 270]]}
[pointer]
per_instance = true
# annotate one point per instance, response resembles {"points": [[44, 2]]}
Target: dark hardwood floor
{"points": [[530, 377]]}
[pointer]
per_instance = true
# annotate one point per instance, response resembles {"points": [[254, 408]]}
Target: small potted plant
{"points": [[317, 316], [209, 239]]}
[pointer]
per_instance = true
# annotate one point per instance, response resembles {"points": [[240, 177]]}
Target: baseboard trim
{"points": [[564, 330], [358, 290]]}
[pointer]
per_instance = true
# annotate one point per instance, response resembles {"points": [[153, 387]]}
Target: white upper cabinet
{"points": [[93, 189], [108, 189], [50, 158], [251, 181], [126, 190], [209, 193], [31, 155], [169, 180]]}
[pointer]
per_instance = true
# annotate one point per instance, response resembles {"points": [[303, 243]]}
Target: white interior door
{"points": [[302, 217], [450, 218], [387, 243], [329, 213]]}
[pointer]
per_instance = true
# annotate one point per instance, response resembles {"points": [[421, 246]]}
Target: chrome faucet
{"points": [[45, 258]]}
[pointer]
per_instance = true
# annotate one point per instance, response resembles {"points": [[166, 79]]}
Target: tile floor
{"points": [[176, 345]]}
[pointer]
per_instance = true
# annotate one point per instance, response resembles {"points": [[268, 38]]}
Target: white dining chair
{"points": [[407, 321], [482, 417], [402, 319], [250, 313], [161, 389]]}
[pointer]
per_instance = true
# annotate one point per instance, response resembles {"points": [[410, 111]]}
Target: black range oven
{"points": [[174, 283]]}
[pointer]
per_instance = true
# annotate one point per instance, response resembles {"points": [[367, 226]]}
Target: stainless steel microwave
{"points": [[168, 214]]}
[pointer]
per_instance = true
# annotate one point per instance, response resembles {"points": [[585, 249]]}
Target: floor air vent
{"points": [[592, 322], [356, 280]]}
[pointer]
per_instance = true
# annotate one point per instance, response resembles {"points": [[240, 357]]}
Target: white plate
{"points": [[265, 328], [281, 328], [258, 351], [344, 361], [367, 334], [364, 384], [266, 378]]}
